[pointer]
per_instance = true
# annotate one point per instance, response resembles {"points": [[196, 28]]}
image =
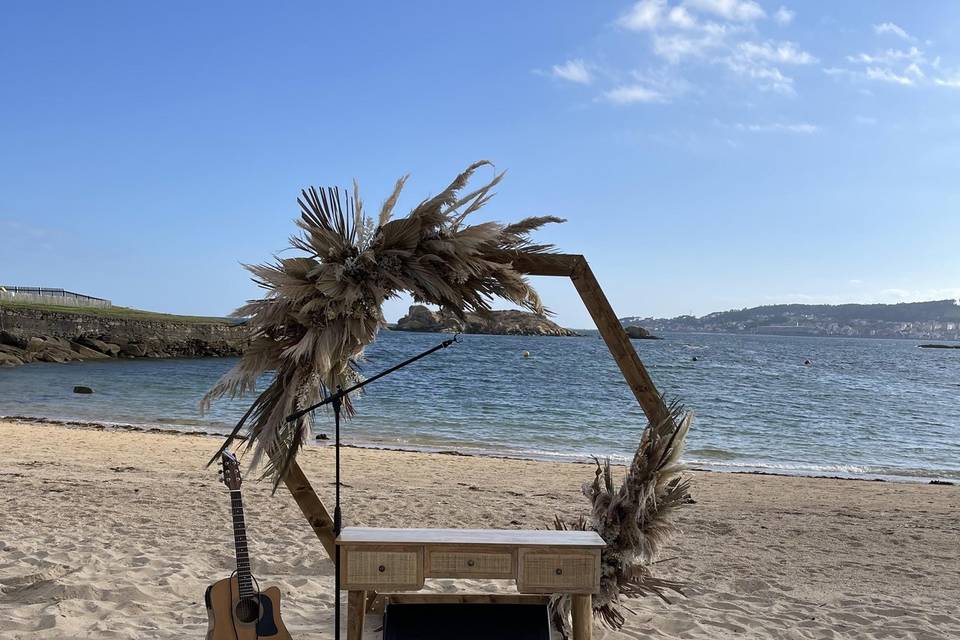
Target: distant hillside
{"points": [[939, 319]]}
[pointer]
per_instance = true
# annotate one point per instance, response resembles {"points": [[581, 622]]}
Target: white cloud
{"points": [[681, 18], [768, 78], [632, 94], [891, 28], [915, 71], [662, 81], [953, 82], [783, 16], [573, 71], [863, 58], [704, 33], [865, 121], [838, 71], [677, 47], [890, 56], [685, 32], [734, 10], [644, 15], [653, 15], [886, 75], [783, 52], [779, 127], [756, 61], [907, 67]]}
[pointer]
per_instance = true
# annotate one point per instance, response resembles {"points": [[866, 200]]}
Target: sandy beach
{"points": [[115, 534]]}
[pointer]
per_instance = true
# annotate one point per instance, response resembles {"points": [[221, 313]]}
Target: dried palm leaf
{"points": [[323, 308]]}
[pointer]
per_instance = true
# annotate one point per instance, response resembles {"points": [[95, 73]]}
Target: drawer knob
{"points": [[381, 568], [470, 562], [559, 571]]}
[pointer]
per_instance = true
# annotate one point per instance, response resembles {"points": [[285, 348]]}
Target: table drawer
{"points": [[567, 571], [398, 568], [442, 563]]}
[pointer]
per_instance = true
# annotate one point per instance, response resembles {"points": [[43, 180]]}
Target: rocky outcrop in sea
{"points": [[636, 332], [503, 323]]}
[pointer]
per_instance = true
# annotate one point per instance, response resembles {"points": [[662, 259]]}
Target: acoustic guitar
{"points": [[236, 608]]}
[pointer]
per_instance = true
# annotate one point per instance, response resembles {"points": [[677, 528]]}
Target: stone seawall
{"points": [[30, 335], [51, 296]]}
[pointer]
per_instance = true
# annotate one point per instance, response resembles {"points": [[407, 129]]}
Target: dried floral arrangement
{"points": [[324, 307], [635, 520]]}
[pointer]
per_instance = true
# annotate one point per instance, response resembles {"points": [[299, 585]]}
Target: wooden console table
{"points": [[540, 562]]}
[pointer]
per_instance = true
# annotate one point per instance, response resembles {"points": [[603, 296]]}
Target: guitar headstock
{"points": [[230, 471]]}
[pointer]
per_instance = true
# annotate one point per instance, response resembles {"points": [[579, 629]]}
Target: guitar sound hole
{"points": [[248, 610]]}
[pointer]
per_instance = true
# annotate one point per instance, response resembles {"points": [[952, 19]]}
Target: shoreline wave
{"points": [[753, 467]]}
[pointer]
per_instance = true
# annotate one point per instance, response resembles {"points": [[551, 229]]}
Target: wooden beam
{"points": [[536, 264], [465, 598], [618, 342], [311, 506], [545, 264]]}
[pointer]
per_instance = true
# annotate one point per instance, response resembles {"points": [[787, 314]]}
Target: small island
{"points": [[499, 323], [636, 332]]}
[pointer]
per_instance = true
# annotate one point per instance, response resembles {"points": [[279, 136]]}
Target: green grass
{"points": [[114, 312]]}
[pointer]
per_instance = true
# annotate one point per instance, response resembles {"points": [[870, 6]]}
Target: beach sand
{"points": [[115, 534]]}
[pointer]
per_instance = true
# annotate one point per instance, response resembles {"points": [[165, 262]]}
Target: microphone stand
{"points": [[336, 401]]}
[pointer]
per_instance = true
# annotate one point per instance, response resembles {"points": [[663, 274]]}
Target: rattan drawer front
{"points": [[469, 564], [394, 568], [558, 572]]}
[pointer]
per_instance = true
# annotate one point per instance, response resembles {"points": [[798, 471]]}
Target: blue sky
{"points": [[708, 154]]}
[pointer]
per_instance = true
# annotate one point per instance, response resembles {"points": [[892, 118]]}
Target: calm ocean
{"points": [[865, 408]]}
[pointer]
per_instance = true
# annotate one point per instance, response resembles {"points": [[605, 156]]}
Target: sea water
{"points": [[861, 408]]}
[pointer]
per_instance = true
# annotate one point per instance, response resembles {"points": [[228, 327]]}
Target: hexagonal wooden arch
{"points": [[576, 268]]}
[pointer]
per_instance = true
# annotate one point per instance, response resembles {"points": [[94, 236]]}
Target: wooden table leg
{"points": [[356, 607], [582, 616], [372, 602]]}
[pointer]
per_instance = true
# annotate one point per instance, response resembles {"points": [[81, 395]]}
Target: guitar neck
{"points": [[244, 579]]}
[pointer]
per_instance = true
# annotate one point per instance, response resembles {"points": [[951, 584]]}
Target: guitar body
{"points": [[226, 613]]}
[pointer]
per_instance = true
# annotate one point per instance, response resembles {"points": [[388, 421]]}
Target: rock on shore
{"points": [[36, 335], [502, 323]]}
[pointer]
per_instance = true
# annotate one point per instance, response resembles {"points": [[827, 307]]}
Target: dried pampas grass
{"points": [[635, 520], [323, 307]]}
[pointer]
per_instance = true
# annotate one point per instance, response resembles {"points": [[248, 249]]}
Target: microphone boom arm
{"points": [[340, 394]]}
